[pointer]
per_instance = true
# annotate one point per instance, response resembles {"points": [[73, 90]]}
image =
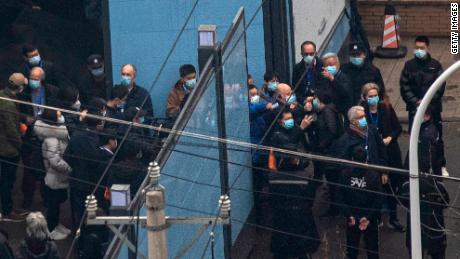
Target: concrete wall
{"points": [[313, 20], [143, 31], [431, 18]]}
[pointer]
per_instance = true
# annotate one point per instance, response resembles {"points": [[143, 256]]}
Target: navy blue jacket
{"points": [[376, 151], [80, 155]]}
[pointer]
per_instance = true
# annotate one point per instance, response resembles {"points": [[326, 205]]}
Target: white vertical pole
{"points": [[416, 243]]}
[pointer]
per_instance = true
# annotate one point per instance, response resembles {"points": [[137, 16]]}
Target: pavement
{"points": [[391, 71], [392, 243]]}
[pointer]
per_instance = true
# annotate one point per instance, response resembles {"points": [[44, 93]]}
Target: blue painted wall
{"points": [[143, 31]]}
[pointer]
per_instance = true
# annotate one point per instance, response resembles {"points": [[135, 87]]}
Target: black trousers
{"points": [[371, 239], [53, 199], [8, 168]]}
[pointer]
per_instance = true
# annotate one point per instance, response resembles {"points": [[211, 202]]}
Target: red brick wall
{"points": [[431, 18]]}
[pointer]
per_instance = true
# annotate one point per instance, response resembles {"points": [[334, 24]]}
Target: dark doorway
{"points": [[65, 32]]}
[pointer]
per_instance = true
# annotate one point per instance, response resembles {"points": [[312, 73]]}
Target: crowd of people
{"points": [[343, 111], [329, 109], [64, 155]]}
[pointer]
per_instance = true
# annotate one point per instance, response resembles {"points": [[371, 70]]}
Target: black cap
{"points": [[95, 61], [356, 48], [131, 112]]}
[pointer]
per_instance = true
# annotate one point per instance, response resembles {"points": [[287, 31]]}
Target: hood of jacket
{"points": [[36, 249], [44, 130]]}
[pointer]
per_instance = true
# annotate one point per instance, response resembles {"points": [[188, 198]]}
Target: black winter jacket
{"points": [[359, 76], [326, 129], [136, 97], [303, 90], [342, 90], [87, 87], [292, 139], [431, 215], [80, 155], [343, 147], [357, 203], [416, 78]]}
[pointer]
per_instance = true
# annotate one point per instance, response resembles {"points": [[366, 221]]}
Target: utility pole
{"points": [[155, 222], [156, 225], [416, 234]]}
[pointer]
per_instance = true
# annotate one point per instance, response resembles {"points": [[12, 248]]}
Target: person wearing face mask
{"points": [[383, 117], [80, 154], [93, 81], [322, 134], [417, 76], [115, 104], [360, 133], [288, 135], [268, 89], [181, 90], [339, 84], [37, 92], [51, 130], [32, 58], [361, 71], [306, 75], [137, 94], [10, 141], [68, 98], [360, 202], [257, 107]]}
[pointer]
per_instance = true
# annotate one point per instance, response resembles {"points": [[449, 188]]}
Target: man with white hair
{"points": [[38, 92], [360, 133], [37, 243], [339, 84]]}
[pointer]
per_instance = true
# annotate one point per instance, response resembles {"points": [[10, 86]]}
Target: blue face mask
{"points": [[362, 123], [373, 100], [61, 120], [356, 61], [97, 71], [332, 70], [34, 84], [272, 86], [126, 80], [289, 124], [308, 59], [291, 99], [35, 61], [190, 84], [315, 105], [141, 120], [255, 99], [420, 53]]}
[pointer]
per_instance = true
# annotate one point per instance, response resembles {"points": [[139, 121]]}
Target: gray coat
{"points": [[55, 139]]}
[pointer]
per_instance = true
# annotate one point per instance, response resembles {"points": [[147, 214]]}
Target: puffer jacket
{"points": [[55, 139], [416, 78]]}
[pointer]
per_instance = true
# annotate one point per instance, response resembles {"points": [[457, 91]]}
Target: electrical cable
{"points": [[142, 105], [246, 144], [244, 222], [214, 159]]}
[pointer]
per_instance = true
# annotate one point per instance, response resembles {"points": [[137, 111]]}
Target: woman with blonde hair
{"points": [[382, 115]]}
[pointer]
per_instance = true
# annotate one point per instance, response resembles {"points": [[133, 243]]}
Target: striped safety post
{"points": [[391, 42]]}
